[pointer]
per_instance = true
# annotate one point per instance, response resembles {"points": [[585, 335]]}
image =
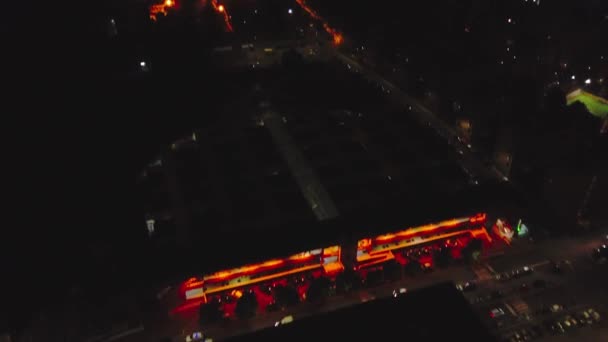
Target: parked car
{"points": [[555, 327], [497, 312], [466, 287]]}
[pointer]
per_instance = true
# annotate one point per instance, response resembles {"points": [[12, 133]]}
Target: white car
{"points": [[497, 312], [285, 320], [195, 336], [399, 291]]}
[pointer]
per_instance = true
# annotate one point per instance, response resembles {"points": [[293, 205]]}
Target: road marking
{"points": [[542, 263], [510, 309], [490, 268]]}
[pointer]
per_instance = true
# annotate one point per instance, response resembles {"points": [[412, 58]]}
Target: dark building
{"points": [[305, 178], [437, 313]]}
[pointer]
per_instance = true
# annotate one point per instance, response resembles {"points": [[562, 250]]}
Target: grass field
{"points": [[596, 105]]}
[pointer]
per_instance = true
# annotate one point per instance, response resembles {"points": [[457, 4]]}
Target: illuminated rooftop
{"points": [[596, 105]]}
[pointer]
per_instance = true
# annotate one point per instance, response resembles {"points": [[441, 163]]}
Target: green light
{"points": [[519, 225]]}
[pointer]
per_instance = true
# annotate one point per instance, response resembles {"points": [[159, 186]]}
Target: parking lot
{"points": [[541, 299]]}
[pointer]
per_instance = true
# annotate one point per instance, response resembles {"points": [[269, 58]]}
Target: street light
{"points": [[290, 11], [588, 81]]}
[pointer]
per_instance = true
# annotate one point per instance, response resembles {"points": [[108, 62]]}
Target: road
{"points": [[425, 116]]}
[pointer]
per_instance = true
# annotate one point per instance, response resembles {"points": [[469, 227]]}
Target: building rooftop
{"points": [[355, 154]]}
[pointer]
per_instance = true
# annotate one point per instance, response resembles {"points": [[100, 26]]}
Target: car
{"points": [[600, 254], [516, 337], [478, 299], [467, 287], [503, 277], [285, 320], [524, 287], [399, 291], [556, 267], [195, 336], [570, 322], [524, 271], [556, 308], [584, 318], [555, 327], [527, 334], [497, 312], [596, 316], [523, 335], [427, 267]]}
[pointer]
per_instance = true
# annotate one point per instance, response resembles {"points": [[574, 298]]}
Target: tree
{"points": [[210, 312], [472, 250], [318, 290], [292, 59], [412, 267], [247, 305], [442, 257], [392, 270], [286, 296], [555, 103], [347, 281], [374, 278]]}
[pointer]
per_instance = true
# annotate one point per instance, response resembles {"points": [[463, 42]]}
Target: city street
{"points": [[424, 116]]}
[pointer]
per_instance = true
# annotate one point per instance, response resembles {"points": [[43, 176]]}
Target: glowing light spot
{"points": [[223, 11], [337, 37]]}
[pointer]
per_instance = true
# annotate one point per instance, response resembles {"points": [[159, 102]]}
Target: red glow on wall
{"points": [[479, 218]]}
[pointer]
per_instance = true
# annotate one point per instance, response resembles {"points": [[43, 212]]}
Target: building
{"points": [[436, 313], [367, 254], [271, 172]]}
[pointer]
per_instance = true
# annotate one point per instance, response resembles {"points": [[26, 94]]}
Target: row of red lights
{"points": [[336, 36], [163, 8]]}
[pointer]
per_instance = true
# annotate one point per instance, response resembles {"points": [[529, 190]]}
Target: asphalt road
{"points": [[425, 117]]}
